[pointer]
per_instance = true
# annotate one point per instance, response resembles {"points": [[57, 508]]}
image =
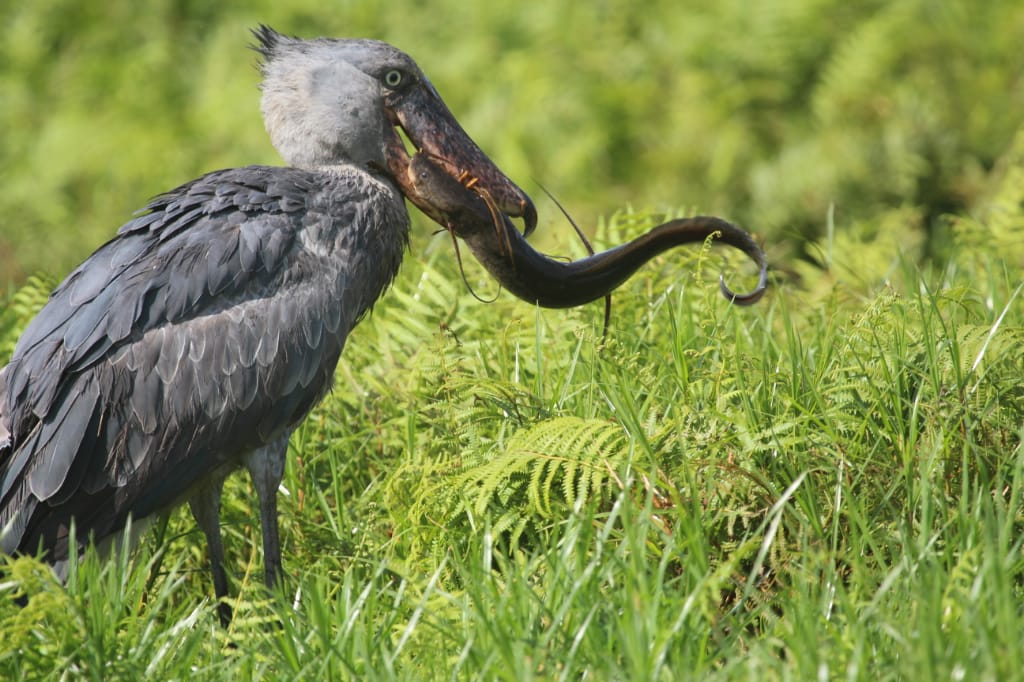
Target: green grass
{"points": [[826, 485]]}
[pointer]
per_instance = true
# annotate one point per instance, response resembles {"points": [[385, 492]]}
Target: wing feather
{"points": [[211, 323], [59, 441]]}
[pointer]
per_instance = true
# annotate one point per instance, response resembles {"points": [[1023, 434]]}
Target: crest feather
{"points": [[268, 43]]}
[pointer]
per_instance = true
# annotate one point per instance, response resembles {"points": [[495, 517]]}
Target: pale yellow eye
{"points": [[393, 78]]}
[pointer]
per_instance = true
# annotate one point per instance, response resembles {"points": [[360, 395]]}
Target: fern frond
{"points": [[22, 306], [999, 230], [517, 486]]}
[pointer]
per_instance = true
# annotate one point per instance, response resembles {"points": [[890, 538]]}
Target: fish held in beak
{"points": [[549, 283]]}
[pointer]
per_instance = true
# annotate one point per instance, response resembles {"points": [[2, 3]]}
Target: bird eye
{"points": [[393, 78]]}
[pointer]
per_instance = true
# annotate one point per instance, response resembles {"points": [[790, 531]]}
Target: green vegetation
{"points": [[828, 485]]}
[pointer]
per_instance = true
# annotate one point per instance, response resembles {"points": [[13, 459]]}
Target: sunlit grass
{"points": [[799, 492]]}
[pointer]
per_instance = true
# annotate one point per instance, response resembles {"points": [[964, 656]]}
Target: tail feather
{"points": [[14, 518], [10, 533]]}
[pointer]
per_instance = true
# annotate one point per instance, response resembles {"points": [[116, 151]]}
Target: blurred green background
{"points": [[888, 114]]}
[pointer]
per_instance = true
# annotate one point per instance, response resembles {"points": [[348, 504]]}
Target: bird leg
{"points": [[266, 466], [205, 505]]}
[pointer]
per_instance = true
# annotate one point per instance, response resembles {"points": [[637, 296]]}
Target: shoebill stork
{"points": [[198, 338]]}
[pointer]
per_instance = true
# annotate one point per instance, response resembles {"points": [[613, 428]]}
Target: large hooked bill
{"points": [[471, 214], [430, 126]]}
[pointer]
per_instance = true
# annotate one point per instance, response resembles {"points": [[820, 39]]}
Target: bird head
{"points": [[341, 101]]}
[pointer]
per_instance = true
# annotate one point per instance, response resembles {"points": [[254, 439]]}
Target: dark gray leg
{"points": [[266, 466], [205, 504]]}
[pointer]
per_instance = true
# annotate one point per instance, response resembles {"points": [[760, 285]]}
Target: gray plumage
{"points": [[199, 337], [238, 291]]}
